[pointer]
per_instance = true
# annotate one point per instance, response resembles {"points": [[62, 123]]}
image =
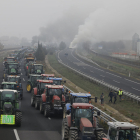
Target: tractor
{"points": [[81, 123], [12, 69], [46, 76], [52, 100], [28, 68], [32, 82], [13, 86], [121, 131], [37, 69], [10, 112], [37, 91]]}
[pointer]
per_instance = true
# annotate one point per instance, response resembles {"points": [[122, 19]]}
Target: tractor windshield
{"points": [[13, 66], [8, 95], [57, 82], [38, 67], [127, 134], [80, 100], [8, 86], [13, 79], [10, 59], [55, 92]]}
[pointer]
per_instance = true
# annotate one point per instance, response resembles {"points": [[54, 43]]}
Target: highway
{"points": [[34, 125], [112, 78]]}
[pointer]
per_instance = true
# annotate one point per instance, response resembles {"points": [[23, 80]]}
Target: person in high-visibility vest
{"points": [[120, 94]]}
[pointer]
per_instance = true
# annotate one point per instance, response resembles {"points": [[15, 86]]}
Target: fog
{"points": [[73, 22]]}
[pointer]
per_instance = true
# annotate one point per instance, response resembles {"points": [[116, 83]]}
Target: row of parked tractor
{"points": [[80, 120]]}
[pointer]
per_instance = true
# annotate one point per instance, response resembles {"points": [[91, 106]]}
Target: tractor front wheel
{"points": [[29, 87], [73, 135], [41, 108], [18, 118], [47, 111], [37, 101], [32, 101], [65, 130]]}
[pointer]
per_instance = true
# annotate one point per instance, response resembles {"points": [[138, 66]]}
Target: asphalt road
{"points": [[34, 125], [120, 81]]}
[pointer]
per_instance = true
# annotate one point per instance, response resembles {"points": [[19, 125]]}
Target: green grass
{"points": [[112, 65], [126, 107]]}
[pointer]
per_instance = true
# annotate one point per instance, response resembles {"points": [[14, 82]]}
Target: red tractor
{"points": [[37, 91], [81, 123], [52, 100], [46, 76]]}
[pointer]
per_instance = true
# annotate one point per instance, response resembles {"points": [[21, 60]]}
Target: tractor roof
{"points": [[45, 81], [13, 76], [38, 64], [82, 105], [47, 75], [81, 94], [57, 79], [122, 125], [12, 83], [1, 90], [13, 63], [11, 57], [54, 86], [30, 58], [34, 75]]}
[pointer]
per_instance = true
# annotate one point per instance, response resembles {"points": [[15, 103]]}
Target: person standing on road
{"points": [[102, 98], [115, 96], [110, 95], [120, 94]]}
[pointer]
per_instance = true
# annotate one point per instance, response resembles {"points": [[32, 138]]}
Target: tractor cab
{"points": [[47, 76], [37, 69], [56, 81], [14, 78], [12, 68], [122, 131], [8, 59], [10, 113]]}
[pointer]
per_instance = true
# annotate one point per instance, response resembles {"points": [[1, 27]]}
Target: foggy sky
{"points": [[70, 20]]}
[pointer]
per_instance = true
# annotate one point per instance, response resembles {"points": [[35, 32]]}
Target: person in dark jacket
{"points": [[110, 95], [102, 98], [115, 96]]}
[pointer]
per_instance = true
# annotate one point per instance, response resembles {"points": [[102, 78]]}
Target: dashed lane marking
{"points": [[131, 81], [116, 81], [102, 75], [136, 89], [23, 79], [16, 134], [49, 118], [113, 74]]}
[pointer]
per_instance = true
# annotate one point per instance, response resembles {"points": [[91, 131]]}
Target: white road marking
{"points": [[3, 80], [131, 81], [91, 71], [136, 89], [16, 134], [116, 81], [23, 79], [113, 74], [49, 118], [98, 69], [102, 75], [21, 73]]}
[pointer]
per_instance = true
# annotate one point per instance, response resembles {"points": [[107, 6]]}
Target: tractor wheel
{"points": [[32, 100], [64, 112], [29, 87], [41, 108], [47, 111], [37, 101], [73, 135], [100, 135], [18, 118], [65, 130]]}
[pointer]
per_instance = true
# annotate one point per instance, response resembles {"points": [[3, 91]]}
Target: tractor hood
{"points": [[84, 122], [56, 101], [38, 71], [55, 97]]}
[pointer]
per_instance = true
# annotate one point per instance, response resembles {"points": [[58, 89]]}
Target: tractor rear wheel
{"points": [[41, 108], [32, 101], [65, 130], [18, 118], [47, 111], [29, 87], [73, 135], [37, 102]]}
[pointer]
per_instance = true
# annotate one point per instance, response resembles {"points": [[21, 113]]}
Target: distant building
{"points": [[135, 39], [138, 47]]}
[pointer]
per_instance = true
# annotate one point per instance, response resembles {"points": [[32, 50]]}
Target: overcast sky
{"points": [[23, 18]]}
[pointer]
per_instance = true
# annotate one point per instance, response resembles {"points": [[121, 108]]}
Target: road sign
{"points": [[7, 119]]}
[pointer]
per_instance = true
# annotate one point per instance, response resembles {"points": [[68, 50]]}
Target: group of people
{"points": [[112, 95]]}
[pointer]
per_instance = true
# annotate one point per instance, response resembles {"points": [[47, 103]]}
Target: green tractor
{"points": [[10, 112], [32, 82], [12, 69], [38, 91], [28, 68], [13, 86], [81, 123], [37, 69]]}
